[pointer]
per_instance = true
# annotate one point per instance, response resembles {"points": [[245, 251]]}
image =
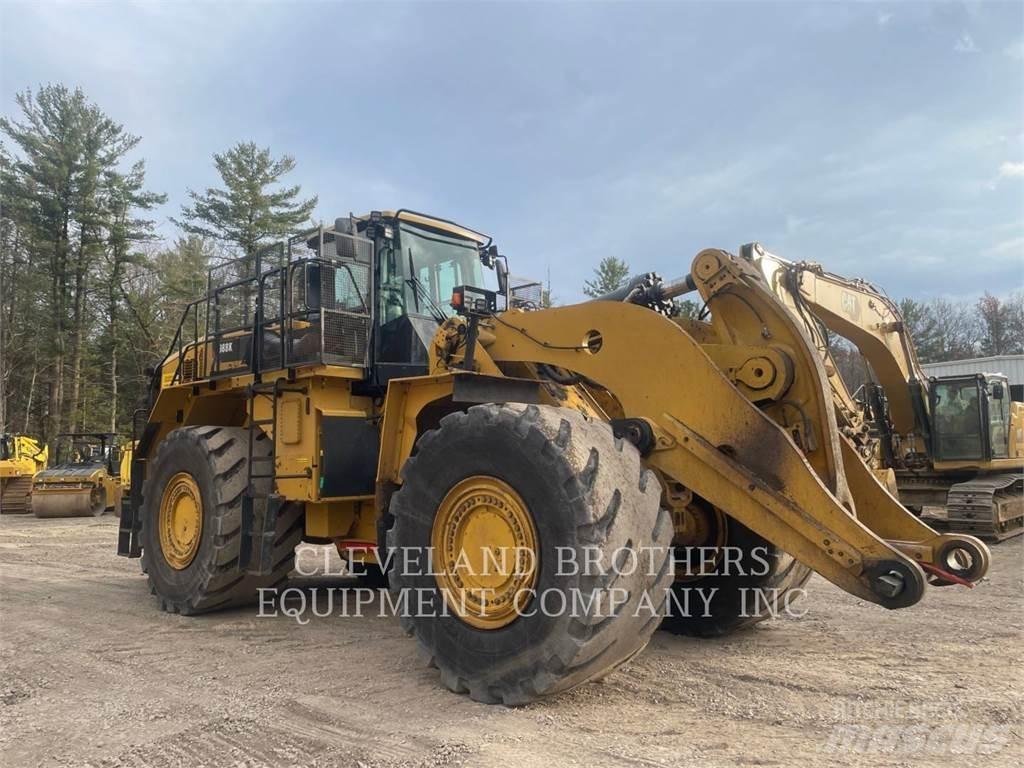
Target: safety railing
{"points": [[280, 308]]}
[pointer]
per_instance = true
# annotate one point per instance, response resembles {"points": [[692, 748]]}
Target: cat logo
{"points": [[849, 304]]}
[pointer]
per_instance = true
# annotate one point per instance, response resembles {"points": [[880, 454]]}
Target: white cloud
{"points": [[1011, 169], [884, 19], [965, 44], [802, 224], [1015, 50], [1013, 246]]}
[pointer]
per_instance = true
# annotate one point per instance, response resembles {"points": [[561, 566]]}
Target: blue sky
{"points": [[883, 140]]}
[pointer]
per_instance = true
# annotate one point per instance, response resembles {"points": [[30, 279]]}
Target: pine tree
{"points": [[64, 208], [104, 146], [688, 308], [610, 274], [126, 197], [251, 208], [921, 325], [44, 184]]}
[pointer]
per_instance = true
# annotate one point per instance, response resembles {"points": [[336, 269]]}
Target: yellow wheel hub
{"points": [[702, 528], [485, 552], [181, 521]]}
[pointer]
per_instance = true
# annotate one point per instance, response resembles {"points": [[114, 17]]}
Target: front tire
{"points": [[563, 484], [191, 529]]}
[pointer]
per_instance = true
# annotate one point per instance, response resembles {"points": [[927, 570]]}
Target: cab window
{"points": [[958, 427], [999, 419], [439, 262]]}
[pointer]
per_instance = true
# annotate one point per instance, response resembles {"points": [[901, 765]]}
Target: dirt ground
{"points": [[92, 673]]}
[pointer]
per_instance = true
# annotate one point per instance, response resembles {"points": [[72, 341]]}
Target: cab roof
{"points": [[425, 220]]}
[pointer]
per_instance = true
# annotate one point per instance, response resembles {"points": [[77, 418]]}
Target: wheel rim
{"points": [[181, 521], [485, 550]]}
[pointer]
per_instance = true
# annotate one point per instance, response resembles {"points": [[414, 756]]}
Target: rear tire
{"points": [[761, 569], [372, 576], [582, 488], [215, 458]]}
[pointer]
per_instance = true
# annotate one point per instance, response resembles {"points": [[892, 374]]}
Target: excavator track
{"points": [[15, 496], [990, 507]]}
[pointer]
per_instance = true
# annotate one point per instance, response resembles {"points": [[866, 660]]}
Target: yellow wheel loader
{"points": [[21, 457], [521, 471], [953, 445], [87, 478]]}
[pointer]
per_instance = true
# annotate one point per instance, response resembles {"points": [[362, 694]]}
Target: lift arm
{"points": [[858, 311], [778, 466]]}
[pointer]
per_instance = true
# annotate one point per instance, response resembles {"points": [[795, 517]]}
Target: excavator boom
{"points": [[967, 478]]}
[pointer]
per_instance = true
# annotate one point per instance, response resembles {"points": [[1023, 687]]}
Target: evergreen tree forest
{"points": [[91, 292]]}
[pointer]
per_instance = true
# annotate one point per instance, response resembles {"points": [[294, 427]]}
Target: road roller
{"points": [[86, 479]]}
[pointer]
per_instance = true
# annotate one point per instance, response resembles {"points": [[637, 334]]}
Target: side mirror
{"points": [[997, 391], [501, 269]]}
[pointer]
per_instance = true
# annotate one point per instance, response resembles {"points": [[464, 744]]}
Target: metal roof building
{"points": [[1010, 365]]}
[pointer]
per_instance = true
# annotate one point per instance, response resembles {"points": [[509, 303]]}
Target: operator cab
{"points": [[78, 450], [420, 260], [373, 289], [970, 417]]}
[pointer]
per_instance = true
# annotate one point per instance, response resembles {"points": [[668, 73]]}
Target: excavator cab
{"points": [[971, 417]]}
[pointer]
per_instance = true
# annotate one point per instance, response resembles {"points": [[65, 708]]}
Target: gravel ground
{"points": [[91, 673]]}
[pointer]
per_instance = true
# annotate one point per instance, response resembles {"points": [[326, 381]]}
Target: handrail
{"points": [[207, 366]]}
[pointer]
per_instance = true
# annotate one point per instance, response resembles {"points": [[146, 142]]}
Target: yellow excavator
{"points": [[86, 479], [21, 457], [953, 445], [533, 479]]}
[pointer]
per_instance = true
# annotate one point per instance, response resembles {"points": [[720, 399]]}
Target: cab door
{"points": [[960, 422], [998, 400]]}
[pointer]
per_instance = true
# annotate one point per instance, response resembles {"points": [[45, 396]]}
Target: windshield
{"points": [[438, 264], [6, 447], [958, 420]]}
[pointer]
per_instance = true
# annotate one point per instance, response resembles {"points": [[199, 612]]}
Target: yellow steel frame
{"points": [[778, 469], [740, 408], [28, 458]]}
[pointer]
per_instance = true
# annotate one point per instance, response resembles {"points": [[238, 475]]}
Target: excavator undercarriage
{"points": [[989, 506]]}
